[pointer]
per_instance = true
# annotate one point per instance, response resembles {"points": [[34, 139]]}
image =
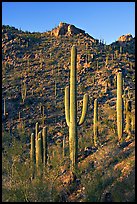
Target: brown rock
{"points": [[66, 29], [126, 37]]}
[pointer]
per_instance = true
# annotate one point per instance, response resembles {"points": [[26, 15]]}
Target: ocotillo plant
{"points": [[119, 106], [95, 127], [71, 110]]}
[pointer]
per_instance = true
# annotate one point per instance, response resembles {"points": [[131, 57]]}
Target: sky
{"points": [[102, 20]]}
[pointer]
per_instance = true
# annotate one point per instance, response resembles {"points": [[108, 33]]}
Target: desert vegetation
{"points": [[68, 117]]}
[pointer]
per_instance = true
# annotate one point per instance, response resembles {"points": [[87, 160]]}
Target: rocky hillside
{"points": [[41, 63]]}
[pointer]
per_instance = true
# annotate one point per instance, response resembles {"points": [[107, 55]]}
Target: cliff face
{"points": [[66, 29]]}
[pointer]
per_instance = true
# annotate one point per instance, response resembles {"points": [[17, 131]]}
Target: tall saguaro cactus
{"points": [[39, 154], [128, 117], [44, 135], [32, 151], [32, 154], [119, 106], [71, 110], [95, 127]]}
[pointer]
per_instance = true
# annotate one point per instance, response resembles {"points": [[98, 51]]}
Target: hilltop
{"points": [[42, 62]]}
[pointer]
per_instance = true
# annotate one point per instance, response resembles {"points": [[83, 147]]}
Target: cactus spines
{"points": [[119, 106], [71, 110], [95, 127], [44, 135]]}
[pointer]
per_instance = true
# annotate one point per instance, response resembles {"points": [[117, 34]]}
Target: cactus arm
{"points": [[67, 113], [84, 109]]}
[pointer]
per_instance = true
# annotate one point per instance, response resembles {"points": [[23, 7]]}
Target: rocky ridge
{"points": [[67, 30], [127, 37]]}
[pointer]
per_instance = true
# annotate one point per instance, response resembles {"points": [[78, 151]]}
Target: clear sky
{"points": [[102, 20]]}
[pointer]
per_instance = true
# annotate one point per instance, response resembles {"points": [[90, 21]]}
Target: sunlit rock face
{"points": [[66, 29], [126, 37]]}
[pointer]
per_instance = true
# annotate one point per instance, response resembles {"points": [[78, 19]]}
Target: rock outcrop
{"points": [[126, 37], [66, 29]]}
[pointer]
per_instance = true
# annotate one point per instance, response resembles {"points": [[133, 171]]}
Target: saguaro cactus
{"points": [[36, 130], [32, 154], [119, 106], [71, 110], [45, 148], [95, 127], [128, 118], [24, 91], [39, 154]]}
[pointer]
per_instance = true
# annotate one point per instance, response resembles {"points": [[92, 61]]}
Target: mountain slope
{"points": [[42, 61]]}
